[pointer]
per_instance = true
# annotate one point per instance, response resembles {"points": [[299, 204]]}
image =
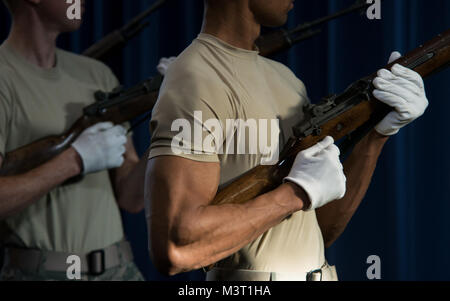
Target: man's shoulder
{"points": [[194, 71], [192, 83], [193, 62]]}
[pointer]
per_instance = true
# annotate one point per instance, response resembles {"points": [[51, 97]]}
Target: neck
{"points": [[33, 40], [233, 23]]}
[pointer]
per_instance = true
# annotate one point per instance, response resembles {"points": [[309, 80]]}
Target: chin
{"points": [[71, 26], [275, 22]]}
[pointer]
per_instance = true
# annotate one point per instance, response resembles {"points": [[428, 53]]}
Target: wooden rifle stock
{"points": [[119, 109], [346, 113]]}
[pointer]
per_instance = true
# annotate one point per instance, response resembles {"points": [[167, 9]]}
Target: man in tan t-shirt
{"points": [[280, 235], [42, 92]]}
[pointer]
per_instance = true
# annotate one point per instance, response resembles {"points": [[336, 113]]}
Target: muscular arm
{"points": [[129, 180], [359, 168], [186, 232], [18, 192]]}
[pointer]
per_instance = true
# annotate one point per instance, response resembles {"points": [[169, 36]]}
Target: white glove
{"points": [[164, 64], [320, 173], [101, 147], [404, 91]]}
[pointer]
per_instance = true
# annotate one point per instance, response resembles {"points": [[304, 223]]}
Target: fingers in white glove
{"points": [[116, 139], [118, 131], [387, 76], [164, 64], [402, 89], [390, 99], [334, 152], [320, 146], [319, 172], [118, 158], [399, 91], [408, 74], [101, 126], [404, 85], [394, 56], [101, 147]]}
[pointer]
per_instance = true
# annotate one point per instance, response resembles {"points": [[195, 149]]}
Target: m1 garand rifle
{"points": [[117, 107], [120, 37], [336, 116]]}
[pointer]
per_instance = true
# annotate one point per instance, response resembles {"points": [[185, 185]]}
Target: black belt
{"points": [[93, 263]]}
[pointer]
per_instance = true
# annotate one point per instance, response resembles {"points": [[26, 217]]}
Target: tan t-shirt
{"points": [[224, 82], [35, 103]]}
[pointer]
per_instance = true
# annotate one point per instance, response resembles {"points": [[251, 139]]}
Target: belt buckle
{"points": [[96, 262], [311, 276]]}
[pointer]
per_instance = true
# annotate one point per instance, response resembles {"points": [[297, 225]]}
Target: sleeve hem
{"points": [[168, 152]]}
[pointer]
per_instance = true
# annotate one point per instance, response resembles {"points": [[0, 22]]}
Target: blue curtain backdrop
{"points": [[404, 218]]}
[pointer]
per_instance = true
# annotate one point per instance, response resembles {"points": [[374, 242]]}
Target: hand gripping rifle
{"points": [[335, 116], [117, 107], [119, 37]]}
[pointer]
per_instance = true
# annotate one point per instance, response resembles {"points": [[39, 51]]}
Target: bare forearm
{"points": [[211, 233], [130, 184], [359, 168], [18, 192]]}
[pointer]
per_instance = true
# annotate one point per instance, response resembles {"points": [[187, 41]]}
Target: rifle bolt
{"points": [[317, 131]]}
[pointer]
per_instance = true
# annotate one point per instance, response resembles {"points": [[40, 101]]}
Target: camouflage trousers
{"points": [[124, 272]]}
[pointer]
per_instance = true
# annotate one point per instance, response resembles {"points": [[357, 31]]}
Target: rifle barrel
{"points": [[120, 36], [139, 18], [358, 5], [282, 39]]}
